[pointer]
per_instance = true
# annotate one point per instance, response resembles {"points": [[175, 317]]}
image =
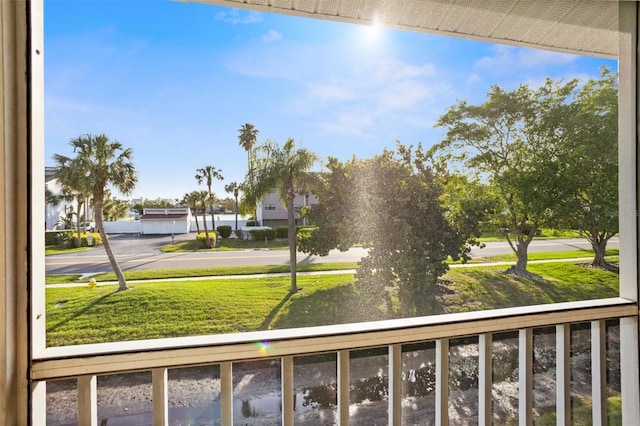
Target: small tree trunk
{"points": [[291, 219], [122, 283], [599, 246], [520, 268]]}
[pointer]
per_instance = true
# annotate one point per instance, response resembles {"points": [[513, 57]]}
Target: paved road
{"points": [[143, 252]]}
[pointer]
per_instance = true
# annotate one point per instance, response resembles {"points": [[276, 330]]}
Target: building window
{"points": [[269, 206]]}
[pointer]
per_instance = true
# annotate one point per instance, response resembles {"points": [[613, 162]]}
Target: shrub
{"points": [[224, 231], [261, 234], [282, 231], [73, 239], [201, 239], [250, 223], [56, 238]]}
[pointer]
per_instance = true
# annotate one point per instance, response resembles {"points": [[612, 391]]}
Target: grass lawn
{"points": [[154, 310], [551, 255]]}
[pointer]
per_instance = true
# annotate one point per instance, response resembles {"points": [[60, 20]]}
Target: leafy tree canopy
{"points": [[390, 204]]}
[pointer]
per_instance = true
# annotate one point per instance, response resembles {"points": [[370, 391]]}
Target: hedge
{"points": [[224, 231], [261, 234]]}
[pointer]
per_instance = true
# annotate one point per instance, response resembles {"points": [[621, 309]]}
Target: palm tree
{"points": [[73, 188], [191, 200], [234, 188], [247, 139], [201, 198], [209, 173], [100, 163], [286, 169]]}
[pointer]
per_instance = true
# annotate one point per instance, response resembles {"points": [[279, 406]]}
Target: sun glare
{"points": [[372, 33]]}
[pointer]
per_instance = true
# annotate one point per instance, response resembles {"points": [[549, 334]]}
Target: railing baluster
{"points": [[599, 373], [485, 380], [395, 385], [87, 401], [160, 397], [442, 382], [525, 363], [563, 375], [287, 391], [343, 388], [226, 394]]}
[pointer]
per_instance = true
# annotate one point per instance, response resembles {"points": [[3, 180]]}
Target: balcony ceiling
{"points": [[585, 27]]}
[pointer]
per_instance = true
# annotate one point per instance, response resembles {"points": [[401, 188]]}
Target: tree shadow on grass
{"points": [[338, 305], [79, 313], [267, 320], [484, 290]]}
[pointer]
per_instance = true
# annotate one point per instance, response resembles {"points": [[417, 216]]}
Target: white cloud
{"points": [[473, 78], [271, 36], [507, 59], [236, 16]]}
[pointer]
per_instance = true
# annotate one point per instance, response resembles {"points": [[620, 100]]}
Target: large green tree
{"points": [[207, 174], [516, 142], [284, 168], [593, 165], [391, 205], [98, 164]]}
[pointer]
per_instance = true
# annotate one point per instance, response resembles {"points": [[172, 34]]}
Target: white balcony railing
{"points": [[85, 363]]}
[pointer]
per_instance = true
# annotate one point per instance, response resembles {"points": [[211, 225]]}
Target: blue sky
{"points": [[175, 81]]}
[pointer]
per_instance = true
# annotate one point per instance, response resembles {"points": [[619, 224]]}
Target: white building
{"points": [[271, 212], [166, 221]]}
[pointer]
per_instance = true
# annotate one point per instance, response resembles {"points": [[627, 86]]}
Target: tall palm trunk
{"points": [[204, 220], [78, 230], [293, 250], [195, 211], [122, 283]]}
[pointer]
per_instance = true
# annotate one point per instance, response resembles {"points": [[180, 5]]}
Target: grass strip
{"points": [[197, 307], [214, 271]]}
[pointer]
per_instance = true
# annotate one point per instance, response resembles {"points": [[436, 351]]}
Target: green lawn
{"points": [[168, 309]]}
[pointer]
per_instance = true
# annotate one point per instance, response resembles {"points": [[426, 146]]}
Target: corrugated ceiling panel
{"points": [[307, 6], [282, 4], [328, 7], [581, 26], [349, 8]]}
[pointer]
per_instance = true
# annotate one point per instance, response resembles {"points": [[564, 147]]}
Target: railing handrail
{"points": [[106, 358]]}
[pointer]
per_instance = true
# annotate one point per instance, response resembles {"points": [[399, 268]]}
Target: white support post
{"points": [[287, 391], [629, 376], [628, 77], [442, 382], [485, 380], [343, 388], [525, 350], [39, 399], [87, 401], [563, 375], [226, 394], [159, 380], [395, 385], [598, 373]]}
